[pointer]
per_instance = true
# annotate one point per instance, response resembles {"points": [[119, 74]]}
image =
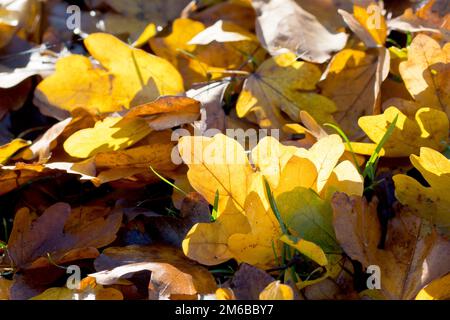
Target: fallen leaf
{"points": [[277, 291], [283, 26], [368, 23], [128, 78], [167, 112], [210, 97], [172, 274], [284, 85], [8, 150], [89, 290], [32, 240], [425, 128], [438, 289], [426, 73], [308, 217], [431, 202], [366, 70], [111, 134], [412, 256], [248, 282], [221, 32]]}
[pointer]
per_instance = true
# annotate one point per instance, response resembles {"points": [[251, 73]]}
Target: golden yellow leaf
{"points": [[372, 19], [257, 247], [5, 285], [8, 150], [225, 294], [284, 85], [246, 228], [427, 128], [220, 165], [207, 243], [129, 77], [307, 248], [427, 71], [431, 202], [89, 290], [438, 289], [111, 134], [277, 291]]}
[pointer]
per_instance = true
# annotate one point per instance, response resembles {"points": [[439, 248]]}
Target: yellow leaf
{"points": [[225, 294], [307, 248], [428, 128], [373, 21], [5, 285], [246, 228], [146, 35], [111, 134], [431, 202], [207, 243], [284, 85], [427, 71], [257, 247], [89, 290], [437, 290], [277, 291], [129, 77], [220, 165], [8, 150], [270, 157]]}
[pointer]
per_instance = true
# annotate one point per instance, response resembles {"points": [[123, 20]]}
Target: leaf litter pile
{"points": [[118, 119]]}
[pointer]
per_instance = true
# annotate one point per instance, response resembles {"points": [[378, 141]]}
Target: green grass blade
{"points": [[373, 160], [168, 182], [347, 141]]}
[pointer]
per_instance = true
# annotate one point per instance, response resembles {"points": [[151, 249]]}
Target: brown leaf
{"points": [[31, 241], [248, 282], [172, 274], [413, 255], [167, 112]]}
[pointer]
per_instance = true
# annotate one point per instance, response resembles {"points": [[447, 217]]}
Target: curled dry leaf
{"points": [[167, 112], [172, 274], [412, 257], [283, 26], [8, 150]]}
